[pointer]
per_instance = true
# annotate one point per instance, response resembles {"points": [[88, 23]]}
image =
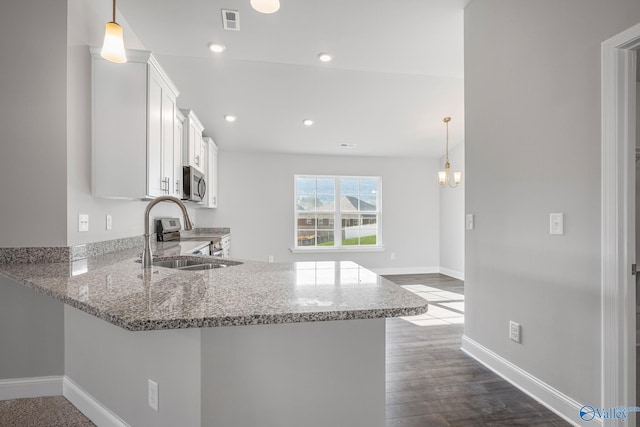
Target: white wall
{"points": [[32, 332], [33, 123], [452, 218], [532, 112], [256, 201], [114, 365]]}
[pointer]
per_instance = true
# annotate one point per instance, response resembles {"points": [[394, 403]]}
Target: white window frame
{"points": [[337, 222]]}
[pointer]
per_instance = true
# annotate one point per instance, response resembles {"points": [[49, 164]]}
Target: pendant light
{"points": [[445, 176], [266, 6], [113, 46]]}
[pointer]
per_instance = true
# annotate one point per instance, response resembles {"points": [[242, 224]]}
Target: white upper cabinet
{"points": [[211, 200], [134, 128], [193, 150]]}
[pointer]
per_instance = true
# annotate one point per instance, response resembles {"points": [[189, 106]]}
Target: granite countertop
{"points": [[115, 288]]}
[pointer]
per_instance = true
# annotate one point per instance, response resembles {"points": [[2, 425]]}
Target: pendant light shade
{"points": [[266, 6], [113, 45]]}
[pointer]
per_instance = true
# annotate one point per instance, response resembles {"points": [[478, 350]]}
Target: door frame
{"points": [[618, 220]]}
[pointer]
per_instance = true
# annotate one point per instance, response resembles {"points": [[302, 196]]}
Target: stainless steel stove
{"points": [[168, 229]]}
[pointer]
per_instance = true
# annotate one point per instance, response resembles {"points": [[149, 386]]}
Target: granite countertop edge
{"points": [[386, 307]]}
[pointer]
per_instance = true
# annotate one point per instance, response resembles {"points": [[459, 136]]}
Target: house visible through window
{"points": [[337, 211]]}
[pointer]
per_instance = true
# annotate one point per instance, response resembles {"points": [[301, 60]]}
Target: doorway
{"points": [[619, 75]]}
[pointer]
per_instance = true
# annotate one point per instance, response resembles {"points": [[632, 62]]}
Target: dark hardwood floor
{"points": [[431, 382]]}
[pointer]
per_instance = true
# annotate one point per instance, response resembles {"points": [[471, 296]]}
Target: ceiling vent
{"points": [[231, 20]]}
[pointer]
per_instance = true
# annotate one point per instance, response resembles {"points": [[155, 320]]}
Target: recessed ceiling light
{"points": [[324, 57], [346, 145], [230, 118], [307, 122], [216, 47]]}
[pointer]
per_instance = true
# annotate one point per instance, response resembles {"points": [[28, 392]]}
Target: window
{"points": [[339, 212]]}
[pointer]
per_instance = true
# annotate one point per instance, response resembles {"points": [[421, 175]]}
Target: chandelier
{"points": [[445, 176]]}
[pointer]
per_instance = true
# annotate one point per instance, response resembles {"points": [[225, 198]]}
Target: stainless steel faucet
{"points": [[146, 253]]}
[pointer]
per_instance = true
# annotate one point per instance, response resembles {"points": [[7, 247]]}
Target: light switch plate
{"points": [[556, 224], [469, 221], [109, 224]]}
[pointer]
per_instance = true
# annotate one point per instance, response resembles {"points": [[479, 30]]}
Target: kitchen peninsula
{"points": [[252, 344]]}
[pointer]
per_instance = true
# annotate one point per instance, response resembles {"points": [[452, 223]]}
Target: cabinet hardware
{"points": [[165, 185]]}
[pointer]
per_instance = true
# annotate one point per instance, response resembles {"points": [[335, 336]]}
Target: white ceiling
{"points": [[397, 71]]}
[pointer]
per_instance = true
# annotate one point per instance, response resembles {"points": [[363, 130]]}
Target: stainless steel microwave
{"points": [[194, 184]]}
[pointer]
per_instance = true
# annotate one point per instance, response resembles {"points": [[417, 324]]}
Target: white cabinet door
{"points": [[211, 156], [162, 114], [155, 185], [197, 150], [213, 175], [168, 125], [193, 154], [177, 154], [133, 125]]}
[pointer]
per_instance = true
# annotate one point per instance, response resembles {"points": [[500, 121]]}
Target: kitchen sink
{"points": [[177, 263], [207, 266], [193, 264]]}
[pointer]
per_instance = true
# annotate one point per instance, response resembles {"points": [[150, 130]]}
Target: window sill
{"points": [[337, 250]]}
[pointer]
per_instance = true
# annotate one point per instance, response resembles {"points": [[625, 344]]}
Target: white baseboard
{"points": [[19, 388], [452, 273], [405, 270], [558, 402], [89, 406]]}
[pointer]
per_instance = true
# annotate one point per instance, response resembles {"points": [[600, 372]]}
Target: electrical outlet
{"points": [[83, 222], [556, 224], [270, 258], [392, 256], [153, 395], [514, 331], [108, 221]]}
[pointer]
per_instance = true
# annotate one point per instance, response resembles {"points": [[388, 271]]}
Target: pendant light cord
{"points": [[114, 11], [447, 120]]}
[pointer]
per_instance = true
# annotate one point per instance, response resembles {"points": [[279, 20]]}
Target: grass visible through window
{"points": [[365, 240]]}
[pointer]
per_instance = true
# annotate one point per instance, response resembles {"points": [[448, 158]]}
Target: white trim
{"points": [[452, 273], [89, 406], [336, 249], [405, 270], [558, 402], [618, 220], [20, 388]]}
